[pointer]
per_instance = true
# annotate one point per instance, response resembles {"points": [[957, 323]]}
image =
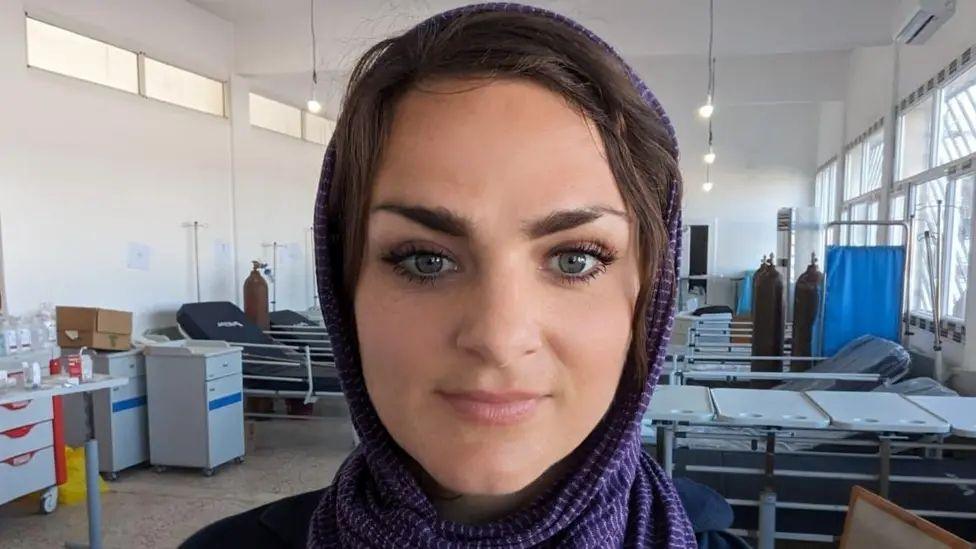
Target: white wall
{"points": [[830, 134], [85, 170]]}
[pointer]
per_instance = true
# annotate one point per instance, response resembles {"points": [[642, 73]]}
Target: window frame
{"points": [[140, 66]]}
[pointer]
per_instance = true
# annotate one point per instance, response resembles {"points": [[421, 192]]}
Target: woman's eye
{"points": [[574, 264], [426, 265]]}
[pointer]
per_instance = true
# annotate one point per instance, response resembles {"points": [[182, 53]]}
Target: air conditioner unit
{"points": [[924, 20]]}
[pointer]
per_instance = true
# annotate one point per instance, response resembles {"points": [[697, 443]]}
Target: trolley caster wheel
{"points": [[239, 459], [208, 472], [49, 500], [111, 477], [159, 468]]}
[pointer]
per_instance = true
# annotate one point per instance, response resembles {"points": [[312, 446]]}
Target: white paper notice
{"points": [[137, 256]]}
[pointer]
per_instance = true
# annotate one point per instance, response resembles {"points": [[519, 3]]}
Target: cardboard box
{"points": [[94, 328]]}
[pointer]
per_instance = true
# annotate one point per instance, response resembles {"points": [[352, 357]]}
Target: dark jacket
{"points": [[282, 523]]}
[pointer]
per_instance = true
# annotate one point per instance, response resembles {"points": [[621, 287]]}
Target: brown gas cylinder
{"points": [[806, 307], [767, 321], [256, 297]]}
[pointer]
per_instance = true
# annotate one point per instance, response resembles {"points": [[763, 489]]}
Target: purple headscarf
{"points": [[617, 497]]}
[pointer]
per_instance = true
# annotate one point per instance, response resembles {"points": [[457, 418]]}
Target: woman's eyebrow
{"points": [[563, 220], [441, 220], [445, 221]]}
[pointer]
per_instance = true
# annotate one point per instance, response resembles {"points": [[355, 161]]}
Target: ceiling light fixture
{"points": [[710, 156]]}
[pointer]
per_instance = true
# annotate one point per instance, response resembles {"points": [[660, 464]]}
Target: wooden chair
{"points": [[874, 522]]}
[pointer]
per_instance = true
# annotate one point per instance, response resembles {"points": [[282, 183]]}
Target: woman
{"points": [[496, 243]]}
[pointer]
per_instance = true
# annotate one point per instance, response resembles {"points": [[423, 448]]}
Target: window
{"points": [[826, 192], [956, 197], [184, 88], [64, 52], [873, 214], [317, 129], [843, 230], [896, 212], [925, 247], [277, 117], [872, 156], [915, 139], [852, 173], [960, 236], [957, 128]]}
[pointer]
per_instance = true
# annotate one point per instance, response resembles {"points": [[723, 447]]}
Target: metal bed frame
{"points": [[308, 353]]}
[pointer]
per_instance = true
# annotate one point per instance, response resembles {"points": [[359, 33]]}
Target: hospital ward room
{"points": [[439, 274]]}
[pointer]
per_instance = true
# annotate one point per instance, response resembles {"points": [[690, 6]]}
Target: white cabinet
{"points": [[196, 410]]}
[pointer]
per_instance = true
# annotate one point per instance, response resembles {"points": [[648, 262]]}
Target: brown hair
{"points": [[637, 144]]}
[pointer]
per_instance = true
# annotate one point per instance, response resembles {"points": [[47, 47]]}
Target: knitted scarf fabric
{"points": [[617, 497]]}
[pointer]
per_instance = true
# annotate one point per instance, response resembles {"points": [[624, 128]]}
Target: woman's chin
{"points": [[483, 475]]}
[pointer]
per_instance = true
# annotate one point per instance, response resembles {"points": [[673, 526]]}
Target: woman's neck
{"points": [[479, 509]]}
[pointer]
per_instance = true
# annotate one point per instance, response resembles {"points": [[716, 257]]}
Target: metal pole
{"points": [[884, 474], [274, 281], [196, 255], [91, 479], [937, 294], [909, 259], [767, 498]]}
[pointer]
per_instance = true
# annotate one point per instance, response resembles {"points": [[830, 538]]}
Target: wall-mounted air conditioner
{"points": [[924, 20]]}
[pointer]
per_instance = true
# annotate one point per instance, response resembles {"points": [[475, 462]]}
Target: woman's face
{"points": [[498, 284]]}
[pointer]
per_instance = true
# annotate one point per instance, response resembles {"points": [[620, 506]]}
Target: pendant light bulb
{"points": [[706, 110], [710, 157], [314, 106], [707, 186]]}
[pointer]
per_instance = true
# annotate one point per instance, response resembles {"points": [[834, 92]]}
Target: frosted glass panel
{"points": [[958, 128], [184, 88], [915, 139], [317, 129], [57, 50], [278, 117]]}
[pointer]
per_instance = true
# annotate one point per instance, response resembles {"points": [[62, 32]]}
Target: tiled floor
{"points": [[148, 509]]}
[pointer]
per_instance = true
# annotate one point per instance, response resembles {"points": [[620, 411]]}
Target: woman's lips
{"points": [[488, 408]]}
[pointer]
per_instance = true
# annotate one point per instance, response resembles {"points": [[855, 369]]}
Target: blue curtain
{"points": [[864, 288]]}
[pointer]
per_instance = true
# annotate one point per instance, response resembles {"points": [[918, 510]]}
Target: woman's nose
{"points": [[500, 322]]}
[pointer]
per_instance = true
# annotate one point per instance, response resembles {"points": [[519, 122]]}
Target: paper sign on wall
{"points": [[295, 252], [137, 256], [221, 252]]}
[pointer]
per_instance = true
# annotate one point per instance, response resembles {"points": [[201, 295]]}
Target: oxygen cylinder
{"points": [[756, 277], [806, 307], [767, 322], [256, 297]]}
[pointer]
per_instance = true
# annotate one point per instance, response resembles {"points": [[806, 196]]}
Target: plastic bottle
{"points": [[23, 334], [38, 332], [3, 337], [48, 317], [10, 337]]}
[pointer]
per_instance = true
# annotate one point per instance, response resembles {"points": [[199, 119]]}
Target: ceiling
{"points": [[273, 38]]}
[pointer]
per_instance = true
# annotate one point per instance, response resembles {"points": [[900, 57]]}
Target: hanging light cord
{"points": [[711, 68], [711, 40], [311, 19]]}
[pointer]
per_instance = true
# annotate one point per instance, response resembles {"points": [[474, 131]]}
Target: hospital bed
{"points": [[291, 360], [909, 449]]}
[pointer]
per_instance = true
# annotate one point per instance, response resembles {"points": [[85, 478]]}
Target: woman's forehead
{"points": [[475, 145]]}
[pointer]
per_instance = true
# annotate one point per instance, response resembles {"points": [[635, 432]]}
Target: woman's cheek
{"points": [[590, 337]]}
